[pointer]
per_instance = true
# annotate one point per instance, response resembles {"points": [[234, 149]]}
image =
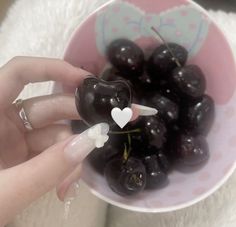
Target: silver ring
{"points": [[22, 114]]}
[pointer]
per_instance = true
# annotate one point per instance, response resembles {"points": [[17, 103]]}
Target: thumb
{"points": [[24, 183]]}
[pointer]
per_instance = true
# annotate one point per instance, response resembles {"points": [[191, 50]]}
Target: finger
{"points": [[140, 110], [27, 182], [23, 70], [44, 110], [41, 139], [69, 186]]}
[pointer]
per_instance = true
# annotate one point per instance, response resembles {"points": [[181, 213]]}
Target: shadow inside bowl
{"points": [[161, 186], [180, 167]]}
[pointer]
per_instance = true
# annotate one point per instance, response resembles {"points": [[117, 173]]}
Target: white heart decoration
{"points": [[121, 117]]}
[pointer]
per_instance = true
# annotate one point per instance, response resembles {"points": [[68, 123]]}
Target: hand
{"points": [[34, 162]]}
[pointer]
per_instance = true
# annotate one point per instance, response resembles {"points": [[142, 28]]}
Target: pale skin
{"points": [[33, 162]]}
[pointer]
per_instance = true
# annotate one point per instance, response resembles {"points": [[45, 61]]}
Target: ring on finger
{"points": [[22, 114]]}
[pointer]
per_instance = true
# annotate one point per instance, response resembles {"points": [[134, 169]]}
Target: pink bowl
{"points": [[188, 24]]}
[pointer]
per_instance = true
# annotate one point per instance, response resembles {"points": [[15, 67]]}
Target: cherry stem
{"points": [[129, 140], [124, 132], [126, 153], [167, 45]]}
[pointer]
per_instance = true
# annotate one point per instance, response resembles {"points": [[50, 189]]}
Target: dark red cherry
{"points": [[95, 98], [126, 177], [155, 176], [112, 74], [78, 126], [162, 63], [167, 109], [155, 130], [100, 156], [144, 85], [189, 81], [191, 150], [163, 161], [127, 57], [166, 90], [198, 116]]}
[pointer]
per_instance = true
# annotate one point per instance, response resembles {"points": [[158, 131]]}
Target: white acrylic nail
{"points": [[145, 110], [96, 136]]}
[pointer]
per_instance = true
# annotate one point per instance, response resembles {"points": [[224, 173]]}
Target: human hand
{"points": [[33, 162]]}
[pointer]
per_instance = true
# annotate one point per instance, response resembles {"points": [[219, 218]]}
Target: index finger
{"points": [[21, 71]]}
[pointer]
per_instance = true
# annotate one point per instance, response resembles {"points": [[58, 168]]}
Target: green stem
{"points": [[125, 154], [127, 151], [124, 132]]}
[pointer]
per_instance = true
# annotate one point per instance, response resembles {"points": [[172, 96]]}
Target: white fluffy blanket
{"points": [[42, 28]]}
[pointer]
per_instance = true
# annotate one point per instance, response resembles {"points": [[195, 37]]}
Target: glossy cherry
{"points": [[189, 81], [162, 62], [127, 57], [198, 116], [155, 176], [167, 108], [99, 157], [95, 98], [153, 131], [112, 74], [163, 161], [191, 150], [126, 177]]}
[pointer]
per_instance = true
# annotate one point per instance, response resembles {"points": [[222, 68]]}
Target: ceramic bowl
{"points": [[186, 23]]}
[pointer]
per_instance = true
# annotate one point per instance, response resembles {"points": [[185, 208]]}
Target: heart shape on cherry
{"points": [[121, 117]]}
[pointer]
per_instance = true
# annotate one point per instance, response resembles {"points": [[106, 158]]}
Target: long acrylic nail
{"points": [[77, 150], [145, 110]]}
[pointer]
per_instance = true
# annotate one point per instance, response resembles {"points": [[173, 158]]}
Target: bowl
{"points": [[186, 23]]}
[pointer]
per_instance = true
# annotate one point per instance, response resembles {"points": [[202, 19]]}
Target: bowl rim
{"points": [[167, 208]]}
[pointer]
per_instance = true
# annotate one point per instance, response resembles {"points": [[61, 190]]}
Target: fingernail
{"points": [[96, 136], [72, 192], [145, 110]]}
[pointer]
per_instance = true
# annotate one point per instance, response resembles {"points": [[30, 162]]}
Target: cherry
{"points": [[189, 81], [167, 109], [165, 89], [112, 74], [155, 176], [100, 156], [163, 161], [161, 63], [78, 126], [127, 57], [126, 177], [191, 150], [153, 132], [198, 116], [95, 98]]}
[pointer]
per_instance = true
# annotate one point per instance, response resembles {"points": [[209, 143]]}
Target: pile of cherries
{"points": [[141, 155]]}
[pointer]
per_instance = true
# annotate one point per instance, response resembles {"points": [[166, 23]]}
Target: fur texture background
{"points": [[42, 28]]}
